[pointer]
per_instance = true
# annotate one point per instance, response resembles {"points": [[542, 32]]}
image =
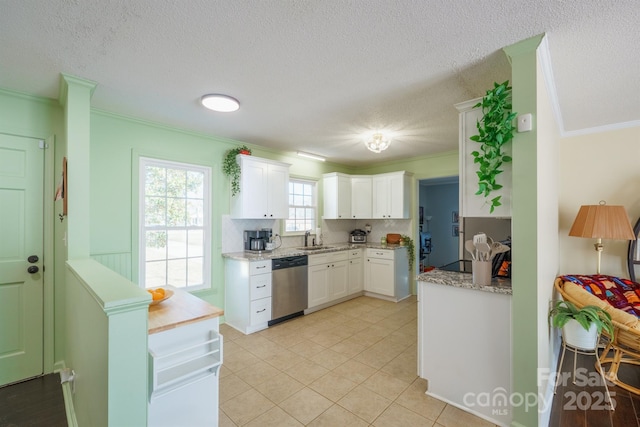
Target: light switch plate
{"points": [[524, 123]]}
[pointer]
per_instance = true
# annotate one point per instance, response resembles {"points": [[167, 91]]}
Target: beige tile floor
{"points": [[353, 364]]}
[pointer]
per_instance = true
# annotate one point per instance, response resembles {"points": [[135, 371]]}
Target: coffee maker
{"points": [[256, 240]]}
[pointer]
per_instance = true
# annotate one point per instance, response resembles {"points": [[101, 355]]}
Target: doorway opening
{"points": [[439, 223]]}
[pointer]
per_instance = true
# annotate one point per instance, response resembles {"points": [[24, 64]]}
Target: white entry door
{"points": [[21, 251]]}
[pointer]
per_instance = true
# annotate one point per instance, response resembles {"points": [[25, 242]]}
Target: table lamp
{"points": [[602, 222]]}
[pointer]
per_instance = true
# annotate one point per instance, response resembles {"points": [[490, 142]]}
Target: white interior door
{"points": [[21, 241]]}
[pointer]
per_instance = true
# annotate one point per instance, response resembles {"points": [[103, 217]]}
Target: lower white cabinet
{"points": [[328, 277], [184, 363], [247, 294], [386, 273], [356, 272]]}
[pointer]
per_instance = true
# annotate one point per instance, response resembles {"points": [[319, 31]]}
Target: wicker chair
{"points": [[625, 345]]}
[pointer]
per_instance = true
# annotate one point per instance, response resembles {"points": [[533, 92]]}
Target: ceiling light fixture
{"points": [[311, 156], [377, 142], [220, 103]]}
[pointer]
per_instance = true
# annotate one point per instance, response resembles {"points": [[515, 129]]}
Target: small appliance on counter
{"points": [[358, 236], [256, 240]]}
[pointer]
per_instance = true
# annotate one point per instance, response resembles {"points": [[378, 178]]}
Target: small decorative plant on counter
{"points": [[494, 130], [408, 242], [231, 168], [581, 326]]}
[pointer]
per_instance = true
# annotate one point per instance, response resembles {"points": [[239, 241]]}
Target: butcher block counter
{"points": [[179, 310], [185, 355]]}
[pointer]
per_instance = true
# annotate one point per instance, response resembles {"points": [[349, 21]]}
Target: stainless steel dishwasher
{"points": [[289, 293]]}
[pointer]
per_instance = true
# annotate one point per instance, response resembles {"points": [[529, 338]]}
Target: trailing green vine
{"points": [[231, 168], [408, 242], [495, 129]]}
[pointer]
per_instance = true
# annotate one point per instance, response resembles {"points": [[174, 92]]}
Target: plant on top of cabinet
{"points": [[494, 130], [231, 168]]}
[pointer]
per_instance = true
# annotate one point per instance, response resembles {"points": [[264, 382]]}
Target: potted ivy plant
{"points": [[581, 327], [495, 129], [408, 242], [231, 168]]}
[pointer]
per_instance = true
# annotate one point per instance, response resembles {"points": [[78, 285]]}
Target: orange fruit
{"points": [[161, 291], [156, 296]]}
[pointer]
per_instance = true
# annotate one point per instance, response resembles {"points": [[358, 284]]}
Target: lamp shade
{"points": [[602, 221]]}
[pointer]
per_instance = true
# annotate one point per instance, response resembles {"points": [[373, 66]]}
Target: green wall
{"points": [[35, 117], [116, 144]]}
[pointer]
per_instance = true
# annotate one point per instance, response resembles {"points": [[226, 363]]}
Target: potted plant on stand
{"points": [[581, 327]]}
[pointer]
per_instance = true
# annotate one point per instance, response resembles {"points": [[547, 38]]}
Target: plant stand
{"points": [[588, 352]]}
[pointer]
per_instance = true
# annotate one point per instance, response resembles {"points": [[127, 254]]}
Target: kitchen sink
{"points": [[313, 248]]}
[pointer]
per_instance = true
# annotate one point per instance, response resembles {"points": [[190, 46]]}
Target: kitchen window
{"points": [[175, 225], [302, 206]]}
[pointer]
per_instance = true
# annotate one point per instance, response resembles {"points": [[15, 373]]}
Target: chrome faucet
{"points": [[306, 238]]}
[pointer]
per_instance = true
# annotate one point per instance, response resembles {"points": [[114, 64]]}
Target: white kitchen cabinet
{"points": [[264, 189], [386, 273], [247, 294], [361, 197], [391, 195], [356, 272], [328, 277], [337, 195], [471, 204]]}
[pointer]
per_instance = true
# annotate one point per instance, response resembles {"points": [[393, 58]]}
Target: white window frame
{"points": [[314, 206], [206, 226]]}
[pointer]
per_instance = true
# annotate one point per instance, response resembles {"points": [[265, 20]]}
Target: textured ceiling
{"points": [[317, 75]]}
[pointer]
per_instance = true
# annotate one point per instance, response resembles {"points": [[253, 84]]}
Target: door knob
{"points": [[33, 259], [33, 269]]}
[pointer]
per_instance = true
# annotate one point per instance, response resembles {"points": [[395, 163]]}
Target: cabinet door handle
{"points": [[264, 266], [260, 311], [263, 286]]}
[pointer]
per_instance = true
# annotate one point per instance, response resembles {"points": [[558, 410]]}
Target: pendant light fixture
{"points": [[220, 103], [377, 142]]}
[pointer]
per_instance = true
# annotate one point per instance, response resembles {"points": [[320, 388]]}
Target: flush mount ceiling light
{"points": [[311, 156], [377, 142], [220, 103]]}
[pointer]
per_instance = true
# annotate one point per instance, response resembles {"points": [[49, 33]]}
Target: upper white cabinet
{"points": [[264, 189], [472, 205], [361, 207], [391, 195], [385, 196], [337, 196]]}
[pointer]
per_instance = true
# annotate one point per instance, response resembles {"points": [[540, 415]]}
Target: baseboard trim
{"points": [[67, 394]]}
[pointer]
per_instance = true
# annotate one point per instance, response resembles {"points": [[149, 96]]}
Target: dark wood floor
{"points": [[36, 402], [584, 404]]}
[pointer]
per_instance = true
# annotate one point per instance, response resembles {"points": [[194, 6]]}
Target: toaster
{"points": [[358, 236]]}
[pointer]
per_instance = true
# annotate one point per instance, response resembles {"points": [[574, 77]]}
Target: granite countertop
{"points": [[464, 280], [180, 309], [286, 252]]}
